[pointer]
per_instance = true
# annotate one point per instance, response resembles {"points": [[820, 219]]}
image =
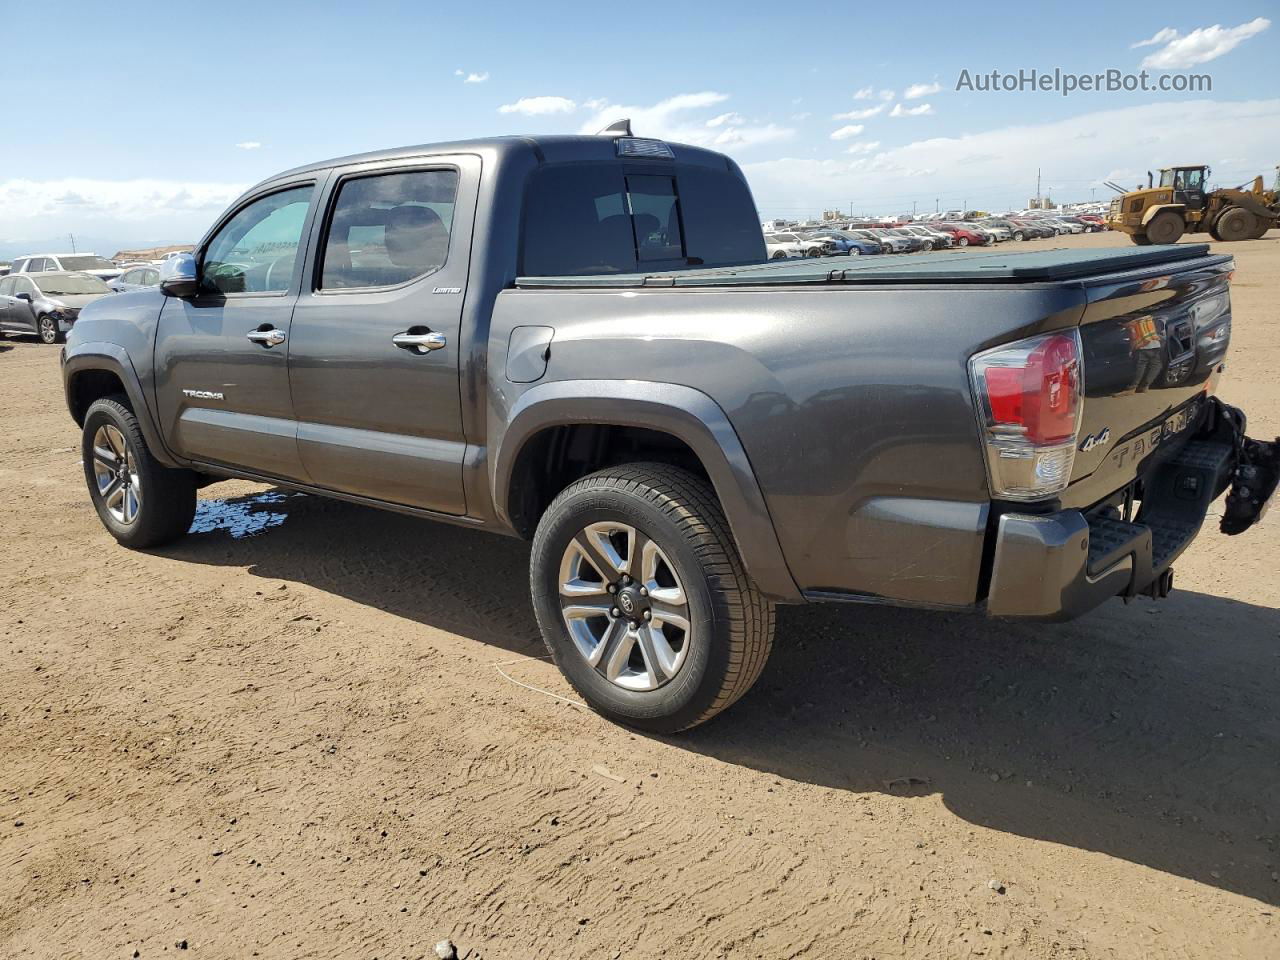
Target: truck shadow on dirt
{"points": [[1149, 732]]}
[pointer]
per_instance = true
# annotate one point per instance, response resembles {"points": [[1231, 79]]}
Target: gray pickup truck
{"points": [[579, 341]]}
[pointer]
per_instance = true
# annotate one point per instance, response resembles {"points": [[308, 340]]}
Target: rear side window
{"points": [[389, 229], [605, 218]]}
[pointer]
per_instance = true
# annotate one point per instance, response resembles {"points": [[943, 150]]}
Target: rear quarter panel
{"points": [[853, 405]]}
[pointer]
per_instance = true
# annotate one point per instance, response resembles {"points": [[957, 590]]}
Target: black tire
{"points": [[1261, 230], [1165, 227], [780, 255], [47, 330], [1236, 224], [732, 624], [1141, 239], [1019, 235], [167, 499]]}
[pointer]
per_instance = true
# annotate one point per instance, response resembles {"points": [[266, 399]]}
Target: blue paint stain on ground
{"points": [[242, 516]]}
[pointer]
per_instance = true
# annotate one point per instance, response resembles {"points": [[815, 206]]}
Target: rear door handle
{"points": [[268, 338], [420, 342]]}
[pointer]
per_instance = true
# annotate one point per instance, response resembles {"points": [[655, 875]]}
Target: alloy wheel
{"points": [[48, 330], [115, 473], [624, 606]]}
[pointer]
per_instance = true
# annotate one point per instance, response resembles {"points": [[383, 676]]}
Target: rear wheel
{"points": [[141, 502], [1165, 227], [1019, 235], [642, 598], [1141, 239], [47, 327], [962, 242], [1236, 224], [1261, 231]]}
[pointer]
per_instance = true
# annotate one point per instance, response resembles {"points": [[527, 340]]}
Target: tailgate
{"points": [[1154, 343]]}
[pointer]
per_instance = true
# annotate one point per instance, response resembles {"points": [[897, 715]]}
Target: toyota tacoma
{"points": [[579, 341]]}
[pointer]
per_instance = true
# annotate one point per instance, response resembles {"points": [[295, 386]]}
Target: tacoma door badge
{"points": [[203, 394]]}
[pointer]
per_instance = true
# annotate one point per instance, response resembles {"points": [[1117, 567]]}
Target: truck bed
{"points": [[970, 266]]}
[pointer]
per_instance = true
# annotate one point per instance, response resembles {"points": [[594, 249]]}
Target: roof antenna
{"points": [[619, 128]]}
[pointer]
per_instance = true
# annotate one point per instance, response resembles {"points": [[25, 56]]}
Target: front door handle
{"points": [[420, 342], [268, 338]]}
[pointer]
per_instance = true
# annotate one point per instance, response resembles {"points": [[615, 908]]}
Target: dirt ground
{"points": [[301, 732]]}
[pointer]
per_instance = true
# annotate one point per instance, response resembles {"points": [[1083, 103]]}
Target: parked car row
{"points": [[42, 294], [831, 239]]}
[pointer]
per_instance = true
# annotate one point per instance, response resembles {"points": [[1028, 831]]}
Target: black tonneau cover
{"points": [[982, 266]]}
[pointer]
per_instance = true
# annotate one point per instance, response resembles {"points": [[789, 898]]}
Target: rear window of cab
{"points": [[606, 218]]}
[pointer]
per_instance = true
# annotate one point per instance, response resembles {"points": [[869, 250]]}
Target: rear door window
{"points": [[389, 229]]}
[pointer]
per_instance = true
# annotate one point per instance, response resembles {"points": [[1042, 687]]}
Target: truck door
{"points": [[222, 381], [373, 354]]}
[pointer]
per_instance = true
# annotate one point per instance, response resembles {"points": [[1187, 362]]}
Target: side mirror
{"points": [[24, 296], [178, 277]]}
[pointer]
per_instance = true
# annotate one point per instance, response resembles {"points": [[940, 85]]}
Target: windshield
{"points": [[1166, 178], [72, 285], [86, 263]]}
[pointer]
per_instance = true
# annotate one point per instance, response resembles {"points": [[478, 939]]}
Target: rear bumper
{"points": [[1060, 565]]}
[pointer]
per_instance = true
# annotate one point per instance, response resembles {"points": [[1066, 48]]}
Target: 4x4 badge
{"points": [[1100, 439]]}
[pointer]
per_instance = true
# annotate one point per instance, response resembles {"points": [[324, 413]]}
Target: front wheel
{"points": [[1165, 227], [47, 327], [643, 600], [141, 502], [962, 242]]}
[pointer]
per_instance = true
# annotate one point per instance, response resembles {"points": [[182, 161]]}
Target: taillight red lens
{"points": [[1039, 396]]}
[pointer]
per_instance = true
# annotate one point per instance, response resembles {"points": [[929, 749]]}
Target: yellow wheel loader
{"points": [[1180, 204]]}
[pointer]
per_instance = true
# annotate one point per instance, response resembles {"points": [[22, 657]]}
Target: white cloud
{"points": [[858, 114], [158, 209], [675, 119], [918, 90], [863, 146], [539, 106], [797, 117], [886, 95], [472, 77], [844, 133], [1198, 46], [1161, 36], [866, 93], [1000, 170], [900, 111], [248, 145], [724, 118]]}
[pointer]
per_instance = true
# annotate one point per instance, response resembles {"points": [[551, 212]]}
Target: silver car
{"points": [[46, 304], [136, 278]]}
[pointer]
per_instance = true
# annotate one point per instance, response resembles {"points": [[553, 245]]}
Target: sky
{"points": [[151, 124]]}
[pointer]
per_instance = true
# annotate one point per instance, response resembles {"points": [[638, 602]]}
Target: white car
{"points": [[780, 249], [811, 248], [89, 263]]}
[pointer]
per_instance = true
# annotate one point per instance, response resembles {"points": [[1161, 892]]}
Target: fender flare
{"points": [[1178, 208], [114, 359], [683, 412]]}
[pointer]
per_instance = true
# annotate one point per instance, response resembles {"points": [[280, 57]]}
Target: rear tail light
{"points": [[1029, 406]]}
